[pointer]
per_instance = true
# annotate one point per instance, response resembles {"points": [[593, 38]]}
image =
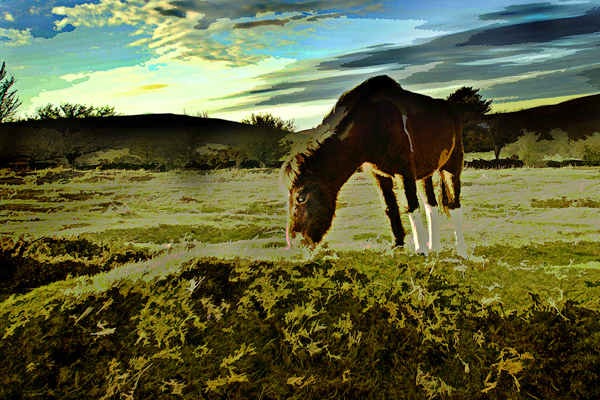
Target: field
{"points": [[142, 285]]}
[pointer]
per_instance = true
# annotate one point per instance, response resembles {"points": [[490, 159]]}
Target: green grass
{"points": [[178, 285]]}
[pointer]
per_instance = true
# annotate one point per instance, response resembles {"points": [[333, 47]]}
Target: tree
{"points": [[42, 144], [472, 107], [501, 132], [68, 110], [217, 158], [9, 102], [269, 145]]}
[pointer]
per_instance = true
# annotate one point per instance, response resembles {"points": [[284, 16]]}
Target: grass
{"points": [[139, 285]]}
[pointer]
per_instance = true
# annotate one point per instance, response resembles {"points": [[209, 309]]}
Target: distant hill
{"points": [[122, 129], [579, 118], [167, 135], [28, 139]]}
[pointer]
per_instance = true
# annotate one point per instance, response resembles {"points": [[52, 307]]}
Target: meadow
{"points": [[143, 285]]}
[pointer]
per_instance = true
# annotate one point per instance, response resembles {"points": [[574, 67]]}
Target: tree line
{"points": [[266, 147]]}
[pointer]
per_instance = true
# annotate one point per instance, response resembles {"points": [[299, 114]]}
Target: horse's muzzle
{"points": [[294, 240]]}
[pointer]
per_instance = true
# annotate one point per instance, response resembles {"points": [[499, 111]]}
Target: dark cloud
{"points": [[555, 84], [529, 71], [253, 24], [310, 9], [538, 31], [524, 11], [592, 77], [170, 12], [323, 16], [465, 62], [311, 90], [436, 50]]}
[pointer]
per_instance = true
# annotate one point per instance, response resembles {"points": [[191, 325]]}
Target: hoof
{"points": [[423, 251]]}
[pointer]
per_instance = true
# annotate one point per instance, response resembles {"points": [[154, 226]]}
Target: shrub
{"points": [[533, 152]]}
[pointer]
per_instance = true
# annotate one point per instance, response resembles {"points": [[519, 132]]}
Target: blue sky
{"points": [[294, 58]]}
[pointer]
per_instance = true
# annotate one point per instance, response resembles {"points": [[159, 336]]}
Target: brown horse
{"points": [[396, 134]]}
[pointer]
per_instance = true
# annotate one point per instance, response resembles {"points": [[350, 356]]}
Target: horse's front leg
{"points": [[385, 186], [431, 208], [414, 216]]}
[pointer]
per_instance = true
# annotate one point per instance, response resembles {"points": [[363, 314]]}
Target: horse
{"points": [[394, 134]]}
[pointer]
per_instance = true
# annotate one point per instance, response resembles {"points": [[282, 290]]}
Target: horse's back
{"points": [[425, 130]]}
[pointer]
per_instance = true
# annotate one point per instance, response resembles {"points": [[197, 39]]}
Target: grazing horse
{"points": [[396, 134]]}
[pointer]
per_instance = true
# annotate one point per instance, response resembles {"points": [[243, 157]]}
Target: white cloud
{"points": [[73, 77], [15, 37], [176, 86]]}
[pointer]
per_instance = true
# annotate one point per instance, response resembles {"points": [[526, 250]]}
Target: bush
{"points": [[587, 149], [533, 152], [528, 149]]}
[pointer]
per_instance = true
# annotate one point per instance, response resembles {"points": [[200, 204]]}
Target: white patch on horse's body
{"points": [[419, 235], [404, 118], [484, 126], [445, 154], [456, 216], [346, 131]]}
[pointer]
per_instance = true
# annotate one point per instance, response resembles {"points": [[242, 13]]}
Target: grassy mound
{"points": [[25, 265], [340, 325]]}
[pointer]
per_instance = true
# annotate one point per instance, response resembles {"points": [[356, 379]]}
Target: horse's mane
{"points": [[295, 164]]}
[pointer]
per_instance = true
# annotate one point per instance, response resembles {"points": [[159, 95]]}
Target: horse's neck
{"points": [[337, 162]]}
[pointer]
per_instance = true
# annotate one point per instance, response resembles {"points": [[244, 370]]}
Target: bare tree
{"points": [[9, 102], [68, 110], [269, 144]]}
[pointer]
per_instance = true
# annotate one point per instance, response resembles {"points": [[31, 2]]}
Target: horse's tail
{"points": [[445, 195]]}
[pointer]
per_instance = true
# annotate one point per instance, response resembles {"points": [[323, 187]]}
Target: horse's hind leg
{"points": [[414, 216], [451, 202], [431, 208], [385, 187]]}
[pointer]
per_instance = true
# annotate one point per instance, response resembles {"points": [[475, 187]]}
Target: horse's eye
{"points": [[301, 198]]}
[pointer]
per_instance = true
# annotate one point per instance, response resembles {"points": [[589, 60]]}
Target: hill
{"points": [[126, 127], [139, 133], [579, 118]]}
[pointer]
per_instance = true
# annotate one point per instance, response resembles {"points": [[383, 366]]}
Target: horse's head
{"points": [[311, 207]]}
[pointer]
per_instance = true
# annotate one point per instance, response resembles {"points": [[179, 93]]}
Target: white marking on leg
{"points": [[418, 230], [404, 118], [435, 242], [433, 225], [346, 131], [461, 247]]}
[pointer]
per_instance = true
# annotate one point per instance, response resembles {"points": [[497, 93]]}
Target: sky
{"points": [[294, 58]]}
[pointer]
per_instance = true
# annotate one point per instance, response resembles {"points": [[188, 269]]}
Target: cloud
{"points": [[239, 9], [538, 31], [535, 11], [254, 24], [144, 88], [154, 86], [32, 16], [592, 77], [15, 37], [170, 13]]}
